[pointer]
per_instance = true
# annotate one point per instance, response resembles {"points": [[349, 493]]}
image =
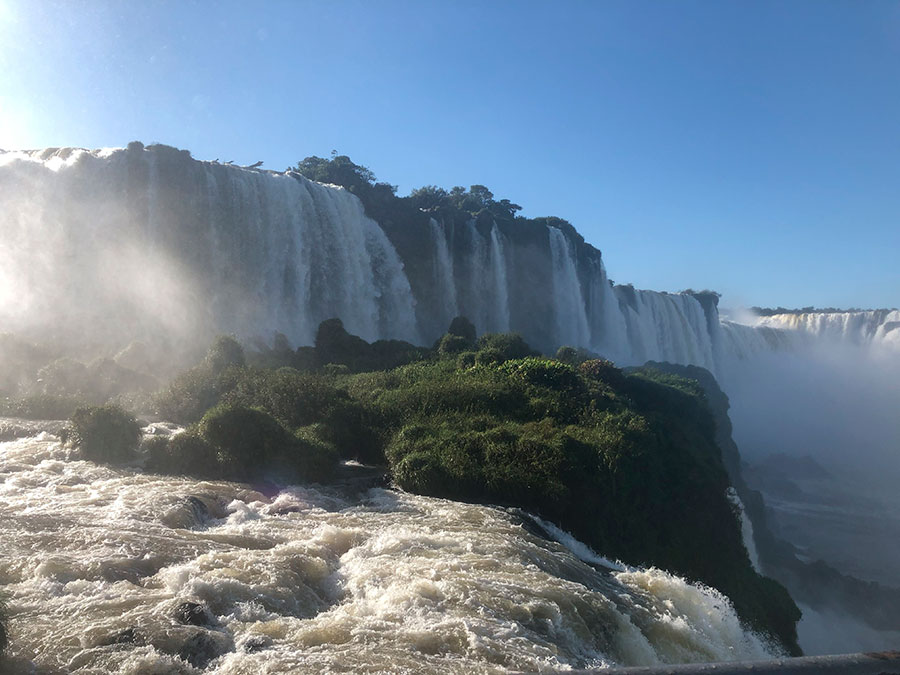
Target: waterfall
{"points": [[107, 246], [568, 302], [443, 279], [871, 327], [501, 290], [149, 241], [746, 528]]}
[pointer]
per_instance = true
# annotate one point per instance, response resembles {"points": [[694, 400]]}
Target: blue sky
{"points": [[749, 147]]}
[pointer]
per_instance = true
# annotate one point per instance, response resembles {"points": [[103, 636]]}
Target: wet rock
{"points": [[122, 637], [200, 646], [353, 478], [193, 511], [256, 644], [194, 614], [199, 507], [131, 569]]}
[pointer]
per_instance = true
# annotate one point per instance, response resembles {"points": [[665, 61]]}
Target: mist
{"points": [[835, 402]]}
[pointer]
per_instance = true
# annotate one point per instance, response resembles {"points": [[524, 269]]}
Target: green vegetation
{"points": [[105, 434], [241, 443]]}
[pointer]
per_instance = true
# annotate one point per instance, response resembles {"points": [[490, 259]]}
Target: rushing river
{"points": [[96, 565]]}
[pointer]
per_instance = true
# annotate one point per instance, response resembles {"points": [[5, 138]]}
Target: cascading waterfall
{"points": [[443, 274], [746, 528], [501, 286], [108, 246], [485, 296], [863, 328], [666, 327], [145, 241], [102, 248], [568, 302]]}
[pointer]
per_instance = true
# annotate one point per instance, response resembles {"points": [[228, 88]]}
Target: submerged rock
{"points": [[125, 636]]}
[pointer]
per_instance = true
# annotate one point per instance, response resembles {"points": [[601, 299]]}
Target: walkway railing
{"points": [[872, 663]]}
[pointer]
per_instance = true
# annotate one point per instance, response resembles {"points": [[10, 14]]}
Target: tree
{"points": [[430, 198], [339, 170]]}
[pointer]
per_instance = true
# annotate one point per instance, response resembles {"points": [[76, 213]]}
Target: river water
{"points": [[95, 563]]}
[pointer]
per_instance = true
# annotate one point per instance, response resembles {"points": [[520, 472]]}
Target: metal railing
{"points": [[871, 663]]}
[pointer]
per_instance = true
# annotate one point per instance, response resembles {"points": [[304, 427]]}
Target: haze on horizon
{"points": [[747, 147]]}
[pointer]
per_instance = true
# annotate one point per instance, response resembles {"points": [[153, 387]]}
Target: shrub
{"points": [[602, 370], [567, 355], [488, 356], [542, 372], [63, 377], [452, 344], [189, 395], [184, 454], [462, 327], [251, 444], [509, 345], [465, 360], [244, 438], [299, 399], [573, 356], [224, 352], [106, 434], [335, 369]]}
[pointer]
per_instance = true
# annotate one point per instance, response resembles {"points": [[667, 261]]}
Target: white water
{"points": [[443, 275], [151, 244], [568, 303], [316, 581], [863, 328], [746, 528]]}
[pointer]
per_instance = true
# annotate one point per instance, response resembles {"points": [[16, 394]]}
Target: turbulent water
{"points": [[97, 561]]}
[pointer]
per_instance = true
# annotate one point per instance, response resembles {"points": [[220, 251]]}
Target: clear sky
{"points": [[749, 147]]}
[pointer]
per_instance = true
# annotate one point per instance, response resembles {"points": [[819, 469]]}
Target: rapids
{"points": [[97, 561]]}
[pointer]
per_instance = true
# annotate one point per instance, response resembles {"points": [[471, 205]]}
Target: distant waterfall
{"points": [[501, 288], [484, 298], [443, 274], [568, 301], [872, 327], [104, 247]]}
